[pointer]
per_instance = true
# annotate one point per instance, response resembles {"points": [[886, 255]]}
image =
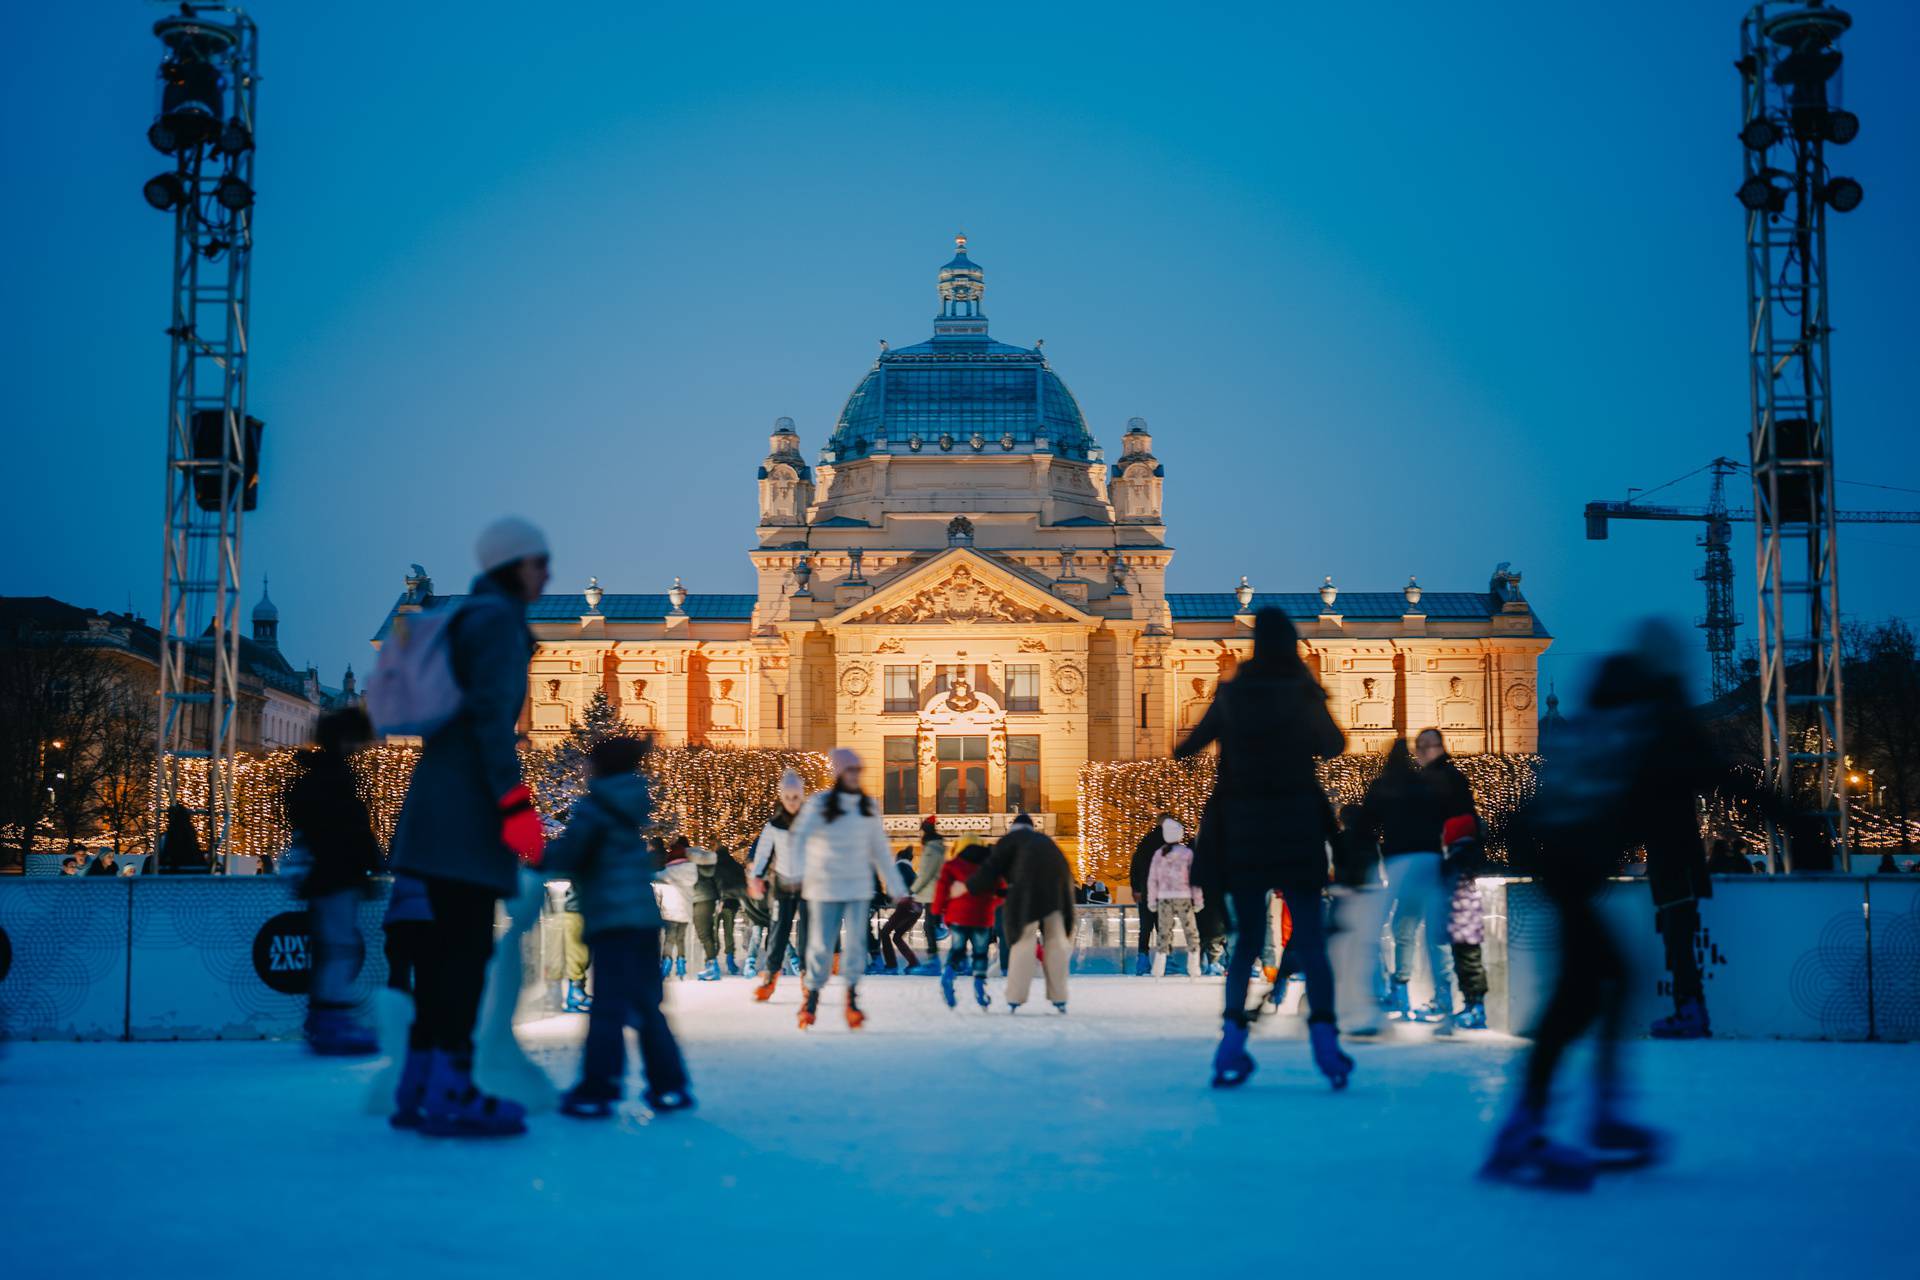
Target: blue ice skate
{"points": [[578, 1001], [980, 996], [1232, 1064], [454, 1107], [946, 988], [1397, 1003], [1523, 1155], [1473, 1017], [711, 973], [1334, 1065]]}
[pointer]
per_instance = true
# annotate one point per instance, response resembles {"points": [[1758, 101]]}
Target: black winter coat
{"points": [[326, 812], [1267, 821], [1039, 879], [1410, 811], [1142, 863]]}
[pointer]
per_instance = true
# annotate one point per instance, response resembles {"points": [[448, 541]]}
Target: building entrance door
{"points": [[961, 780]]}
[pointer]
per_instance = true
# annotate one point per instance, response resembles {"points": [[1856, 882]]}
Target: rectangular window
{"points": [[1023, 773], [1143, 711], [779, 710], [961, 779], [1023, 686], [900, 788], [902, 690]]}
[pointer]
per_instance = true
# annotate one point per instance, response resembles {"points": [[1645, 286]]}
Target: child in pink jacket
{"points": [[1173, 898]]}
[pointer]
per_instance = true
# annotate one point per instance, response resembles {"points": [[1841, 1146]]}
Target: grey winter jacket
{"points": [[606, 858], [933, 856], [449, 826]]}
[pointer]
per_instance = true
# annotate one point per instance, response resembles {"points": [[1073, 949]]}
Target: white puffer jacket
{"points": [[837, 861]]}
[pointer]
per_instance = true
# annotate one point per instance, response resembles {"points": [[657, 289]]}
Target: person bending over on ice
{"points": [[1173, 898], [969, 918], [838, 844], [467, 824], [1039, 904], [1266, 828], [607, 859], [773, 861]]}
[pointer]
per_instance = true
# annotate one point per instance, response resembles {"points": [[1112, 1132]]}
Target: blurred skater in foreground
{"points": [[1266, 827]]}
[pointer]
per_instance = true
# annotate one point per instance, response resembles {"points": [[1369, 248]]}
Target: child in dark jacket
{"points": [[969, 920], [331, 821], [611, 868]]}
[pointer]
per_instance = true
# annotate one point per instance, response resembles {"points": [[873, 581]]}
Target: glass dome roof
{"points": [[960, 392]]}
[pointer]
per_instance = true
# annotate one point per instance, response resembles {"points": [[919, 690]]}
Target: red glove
{"points": [[520, 825]]}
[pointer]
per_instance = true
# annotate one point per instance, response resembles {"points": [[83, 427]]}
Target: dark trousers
{"points": [[1678, 924], [726, 921], [1470, 972], [406, 941], [1148, 920], [626, 993], [1305, 954], [893, 934], [930, 923], [1592, 987], [969, 948], [703, 928], [787, 908], [451, 970]]}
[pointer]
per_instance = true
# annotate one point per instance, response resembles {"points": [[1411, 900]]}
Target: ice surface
{"points": [[935, 1142]]}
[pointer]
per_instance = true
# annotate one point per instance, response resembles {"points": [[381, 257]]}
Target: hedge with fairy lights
{"points": [[712, 795], [1120, 799]]}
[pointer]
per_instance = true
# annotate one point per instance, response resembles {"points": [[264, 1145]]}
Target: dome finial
{"points": [[960, 242]]}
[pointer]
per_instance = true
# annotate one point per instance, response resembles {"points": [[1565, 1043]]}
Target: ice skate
{"points": [[1060, 1006], [733, 966], [946, 988], [454, 1107], [1687, 1022], [663, 1101], [711, 971], [411, 1092], [1232, 1064], [1524, 1155], [793, 965], [333, 1033], [1473, 1017], [763, 991], [980, 996], [809, 1008], [855, 1018], [589, 1101], [1141, 965], [680, 967], [577, 1001], [1194, 971], [1333, 1064], [1159, 969], [1396, 1003]]}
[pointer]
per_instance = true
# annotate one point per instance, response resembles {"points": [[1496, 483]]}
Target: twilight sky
{"points": [[1399, 286]]}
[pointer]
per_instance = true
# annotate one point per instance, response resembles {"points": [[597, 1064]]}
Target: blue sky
{"points": [[1398, 286]]}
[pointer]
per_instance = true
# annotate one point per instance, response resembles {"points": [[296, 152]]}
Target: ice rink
{"points": [[937, 1142]]}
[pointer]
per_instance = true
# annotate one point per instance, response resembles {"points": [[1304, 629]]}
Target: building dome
{"points": [[939, 395], [266, 610]]}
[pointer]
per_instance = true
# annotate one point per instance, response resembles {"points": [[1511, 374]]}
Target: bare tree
{"points": [[1883, 713], [124, 769], [53, 698]]}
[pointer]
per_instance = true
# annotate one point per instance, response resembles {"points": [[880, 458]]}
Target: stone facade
{"points": [[963, 590]]}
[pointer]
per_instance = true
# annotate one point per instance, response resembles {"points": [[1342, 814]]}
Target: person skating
{"points": [[675, 883], [969, 920], [1408, 807], [611, 869], [730, 882], [1266, 828], [773, 863], [1173, 898], [838, 845], [1466, 921], [1039, 904], [703, 902], [1138, 870], [928, 862], [330, 819], [465, 828], [895, 949]]}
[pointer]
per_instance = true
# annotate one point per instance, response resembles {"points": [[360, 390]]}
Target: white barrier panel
{"points": [[229, 958], [63, 958], [1895, 953], [1778, 957]]}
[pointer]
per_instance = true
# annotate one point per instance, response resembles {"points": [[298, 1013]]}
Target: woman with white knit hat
{"points": [[836, 847], [771, 862]]}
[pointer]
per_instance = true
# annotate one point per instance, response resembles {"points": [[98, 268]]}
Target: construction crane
{"points": [[1720, 621]]}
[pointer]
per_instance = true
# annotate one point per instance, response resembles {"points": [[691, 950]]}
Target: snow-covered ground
{"points": [[934, 1143]]}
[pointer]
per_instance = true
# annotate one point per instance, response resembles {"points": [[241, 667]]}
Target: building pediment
{"points": [[959, 587]]}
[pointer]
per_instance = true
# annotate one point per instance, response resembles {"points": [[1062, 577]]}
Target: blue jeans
{"points": [[844, 923], [1306, 951], [626, 992], [1422, 895], [965, 937]]}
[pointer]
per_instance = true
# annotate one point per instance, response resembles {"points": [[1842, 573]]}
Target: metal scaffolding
{"points": [[209, 83], [1788, 66]]}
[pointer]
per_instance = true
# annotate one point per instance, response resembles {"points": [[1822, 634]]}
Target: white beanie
{"points": [[1171, 831], [792, 786], [506, 540], [842, 758]]}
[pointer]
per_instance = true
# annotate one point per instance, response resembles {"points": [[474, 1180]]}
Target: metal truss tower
{"points": [[1790, 112], [1720, 620], [208, 83]]}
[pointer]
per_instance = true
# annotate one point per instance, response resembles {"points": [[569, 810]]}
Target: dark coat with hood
{"points": [[326, 812], [1268, 821], [1409, 807], [449, 827], [1039, 880], [1142, 864], [606, 858]]}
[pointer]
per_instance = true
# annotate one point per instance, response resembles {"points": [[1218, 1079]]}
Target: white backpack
{"points": [[412, 690]]}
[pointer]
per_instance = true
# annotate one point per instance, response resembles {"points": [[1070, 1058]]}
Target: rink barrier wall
{"points": [[194, 958]]}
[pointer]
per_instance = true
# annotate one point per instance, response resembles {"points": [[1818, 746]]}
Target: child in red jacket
{"points": [[969, 919]]}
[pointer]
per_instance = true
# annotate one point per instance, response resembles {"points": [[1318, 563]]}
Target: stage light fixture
{"points": [[1760, 194], [1842, 126], [233, 194], [236, 138], [190, 93], [1843, 195], [165, 190], [1759, 133]]}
